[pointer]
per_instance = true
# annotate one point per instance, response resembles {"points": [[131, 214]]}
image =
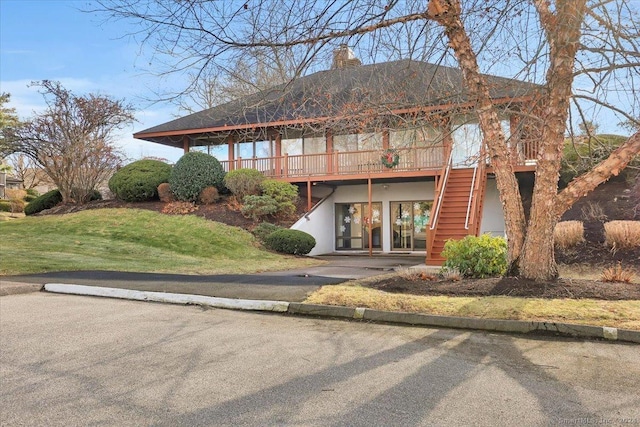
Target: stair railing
{"points": [[441, 187], [476, 184], [471, 191]]}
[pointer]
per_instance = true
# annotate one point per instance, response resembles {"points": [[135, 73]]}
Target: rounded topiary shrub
{"points": [[192, 173], [473, 256], [287, 241], [46, 201], [138, 181], [244, 182]]}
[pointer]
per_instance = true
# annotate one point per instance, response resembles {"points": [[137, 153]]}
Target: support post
{"points": [[231, 156], [185, 144], [308, 194]]}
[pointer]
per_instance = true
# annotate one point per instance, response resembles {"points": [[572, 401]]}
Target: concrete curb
{"points": [[360, 313], [234, 304], [15, 288]]}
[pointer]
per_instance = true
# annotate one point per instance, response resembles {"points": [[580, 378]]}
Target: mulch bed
{"points": [[514, 287]]}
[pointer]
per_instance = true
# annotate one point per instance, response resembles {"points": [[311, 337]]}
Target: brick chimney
{"points": [[343, 57]]}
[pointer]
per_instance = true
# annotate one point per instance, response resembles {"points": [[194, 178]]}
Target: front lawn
{"points": [[133, 240]]}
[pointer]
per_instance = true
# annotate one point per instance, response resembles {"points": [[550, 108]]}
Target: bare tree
{"points": [[27, 171], [583, 54], [71, 140], [253, 71]]}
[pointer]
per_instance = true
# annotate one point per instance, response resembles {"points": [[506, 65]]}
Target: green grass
{"points": [[132, 240]]}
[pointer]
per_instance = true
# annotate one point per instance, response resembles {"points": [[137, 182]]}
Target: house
{"points": [[393, 150], [8, 183]]}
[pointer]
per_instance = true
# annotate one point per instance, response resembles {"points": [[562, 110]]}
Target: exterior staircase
{"points": [[460, 209]]}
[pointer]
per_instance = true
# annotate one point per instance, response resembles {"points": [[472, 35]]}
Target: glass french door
{"points": [[352, 226], [409, 225]]}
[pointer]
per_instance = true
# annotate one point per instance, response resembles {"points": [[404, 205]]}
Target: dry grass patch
{"points": [[619, 314], [622, 234], [617, 274], [593, 211], [568, 234]]}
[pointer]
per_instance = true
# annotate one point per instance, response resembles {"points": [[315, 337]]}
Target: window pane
{"points": [[345, 142], [245, 150], [292, 147], [402, 138], [369, 141], [315, 145], [263, 149]]}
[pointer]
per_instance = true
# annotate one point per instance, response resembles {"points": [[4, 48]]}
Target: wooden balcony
{"points": [[342, 165]]}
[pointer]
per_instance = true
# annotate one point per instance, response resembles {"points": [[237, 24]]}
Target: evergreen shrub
{"points": [[285, 195], [192, 173], [287, 241], [483, 256], [139, 181], [258, 206], [46, 201]]}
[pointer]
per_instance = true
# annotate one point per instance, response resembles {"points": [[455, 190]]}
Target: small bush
{"points": [[294, 242], [17, 205], [179, 208], [46, 201], [622, 234], [5, 206], [617, 274], [568, 234], [257, 207], [139, 181], [452, 274], [15, 193], [192, 173], [262, 230], [29, 198], [32, 192], [285, 195], [164, 193], [244, 182], [208, 195], [473, 256], [410, 274]]}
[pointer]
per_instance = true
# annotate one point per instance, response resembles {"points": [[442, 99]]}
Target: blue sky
{"points": [[52, 39]]}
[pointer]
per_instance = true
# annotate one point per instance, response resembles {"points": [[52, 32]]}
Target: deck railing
{"points": [[340, 163], [355, 162]]}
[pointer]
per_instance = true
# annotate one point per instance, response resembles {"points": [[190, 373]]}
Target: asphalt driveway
{"points": [[287, 285]]}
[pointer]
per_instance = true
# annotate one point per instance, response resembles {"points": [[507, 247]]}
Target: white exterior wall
{"points": [[320, 222], [492, 218]]}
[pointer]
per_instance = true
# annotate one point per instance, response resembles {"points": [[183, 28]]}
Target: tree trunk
{"points": [[584, 184], [562, 30], [447, 14]]}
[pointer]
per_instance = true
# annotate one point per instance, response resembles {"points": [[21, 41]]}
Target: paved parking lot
{"points": [[70, 360]]}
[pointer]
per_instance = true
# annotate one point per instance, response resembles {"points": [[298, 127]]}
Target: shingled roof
{"points": [[384, 87]]}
